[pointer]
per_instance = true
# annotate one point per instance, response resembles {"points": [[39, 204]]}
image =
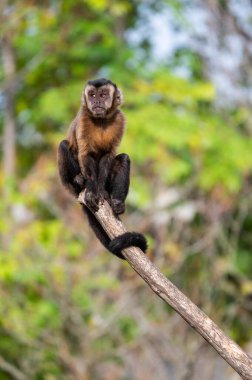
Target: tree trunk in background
{"points": [[9, 139]]}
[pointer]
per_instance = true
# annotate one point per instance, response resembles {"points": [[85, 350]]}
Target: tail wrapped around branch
{"points": [[116, 245], [126, 240]]}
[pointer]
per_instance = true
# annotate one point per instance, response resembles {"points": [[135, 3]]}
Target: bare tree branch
{"points": [[228, 349], [9, 368]]}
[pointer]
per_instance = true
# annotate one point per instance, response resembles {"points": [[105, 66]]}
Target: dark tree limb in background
{"points": [[228, 349], [9, 136], [9, 71]]}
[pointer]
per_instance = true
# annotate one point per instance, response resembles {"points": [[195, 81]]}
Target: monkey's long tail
{"points": [[128, 239], [116, 245]]}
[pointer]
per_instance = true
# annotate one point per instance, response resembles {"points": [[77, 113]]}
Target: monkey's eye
{"points": [[92, 95]]}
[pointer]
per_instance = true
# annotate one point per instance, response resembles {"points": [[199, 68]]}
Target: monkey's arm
{"points": [[69, 169], [71, 176]]}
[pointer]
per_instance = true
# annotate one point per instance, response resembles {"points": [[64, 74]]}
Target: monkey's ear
{"points": [[118, 97], [83, 98]]}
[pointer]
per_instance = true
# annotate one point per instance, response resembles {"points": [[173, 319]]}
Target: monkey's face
{"points": [[101, 100]]}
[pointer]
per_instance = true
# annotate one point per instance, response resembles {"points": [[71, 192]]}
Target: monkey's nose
{"points": [[98, 103]]}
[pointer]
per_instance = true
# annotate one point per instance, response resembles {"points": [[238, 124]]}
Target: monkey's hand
{"points": [[80, 180], [118, 206], [91, 200]]}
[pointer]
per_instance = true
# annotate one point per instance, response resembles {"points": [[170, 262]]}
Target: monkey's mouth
{"points": [[98, 110]]}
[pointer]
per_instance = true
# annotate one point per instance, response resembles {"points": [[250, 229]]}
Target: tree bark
{"points": [[228, 349]]}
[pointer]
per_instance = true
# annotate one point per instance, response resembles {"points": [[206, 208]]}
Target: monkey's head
{"points": [[101, 97]]}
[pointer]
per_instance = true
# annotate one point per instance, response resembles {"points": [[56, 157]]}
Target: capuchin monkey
{"points": [[87, 160]]}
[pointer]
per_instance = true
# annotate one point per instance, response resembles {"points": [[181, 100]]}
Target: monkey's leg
{"points": [[119, 186], [69, 169], [118, 182], [89, 170], [104, 170]]}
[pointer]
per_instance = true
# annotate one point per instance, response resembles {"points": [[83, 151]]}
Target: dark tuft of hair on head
{"points": [[100, 82]]}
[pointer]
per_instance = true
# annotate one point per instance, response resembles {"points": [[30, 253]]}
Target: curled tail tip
{"points": [[126, 240], [135, 239]]}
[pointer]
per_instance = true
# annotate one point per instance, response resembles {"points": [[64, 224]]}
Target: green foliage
{"points": [[181, 136], [128, 328]]}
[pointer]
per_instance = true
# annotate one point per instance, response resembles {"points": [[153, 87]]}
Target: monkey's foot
{"points": [[118, 206], [103, 195]]}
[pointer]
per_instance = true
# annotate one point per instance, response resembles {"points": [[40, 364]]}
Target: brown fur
{"points": [[95, 136]]}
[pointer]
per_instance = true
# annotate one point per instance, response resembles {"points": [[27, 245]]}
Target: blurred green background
{"points": [[68, 309]]}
